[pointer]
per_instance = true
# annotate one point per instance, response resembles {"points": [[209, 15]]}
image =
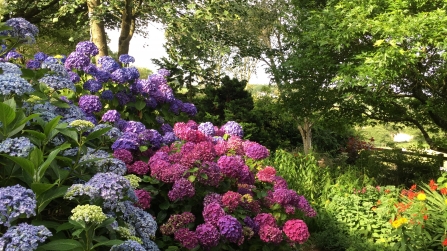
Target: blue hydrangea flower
{"points": [[77, 60], [10, 68], [144, 224], [13, 55], [207, 128], [166, 128], [72, 113], [134, 126], [189, 109], [151, 136], [126, 59], [157, 79], [90, 69], [128, 141], [169, 138], [91, 156], [40, 56], [102, 76], [128, 246], [74, 77], [175, 106], [92, 85], [108, 63], [111, 188], [233, 128], [132, 73], [111, 116], [90, 104], [14, 202], [33, 64], [120, 76], [88, 48], [21, 29], [57, 68], [23, 237], [123, 98], [151, 102], [50, 60], [57, 82], [111, 165], [107, 95], [18, 147]]}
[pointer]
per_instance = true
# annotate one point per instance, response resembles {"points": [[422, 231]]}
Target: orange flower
{"points": [[433, 185], [379, 202], [413, 187], [444, 243], [444, 190], [425, 217], [387, 191]]}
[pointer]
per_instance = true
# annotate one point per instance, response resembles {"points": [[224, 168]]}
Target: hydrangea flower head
{"points": [[296, 230], [128, 245], [144, 199], [187, 238], [270, 234], [233, 128], [92, 85], [231, 165], [57, 82], [212, 213], [23, 237], [40, 56], [88, 48], [14, 202], [138, 167], [181, 189], [77, 60], [134, 126], [17, 147], [108, 63], [13, 84], [88, 214], [265, 219], [267, 174], [21, 29], [208, 235], [126, 59], [90, 104], [207, 128], [255, 150], [107, 95], [81, 125], [164, 72], [8, 67], [230, 228], [231, 200]]}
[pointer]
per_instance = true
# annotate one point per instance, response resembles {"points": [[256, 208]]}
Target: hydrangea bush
{"points": [[104, 167]]}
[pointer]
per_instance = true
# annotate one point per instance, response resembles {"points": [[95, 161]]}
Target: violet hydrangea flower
{"points": [[90, 104], [181, 189], [208, 235], [111, 116], [88, 48], [108, 63], [77, 60], [255, 150], [107, 95], [21, 29], [207, 128], [14, 202], [23, 237], [230, 228], [233, 128], [126, 59]]}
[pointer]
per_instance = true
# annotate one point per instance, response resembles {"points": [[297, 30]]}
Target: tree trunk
{"points": [[97, 30], [305, 129], [127, 28]]}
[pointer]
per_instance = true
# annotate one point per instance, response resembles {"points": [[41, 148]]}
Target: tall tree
{"points": [[394, 59]]}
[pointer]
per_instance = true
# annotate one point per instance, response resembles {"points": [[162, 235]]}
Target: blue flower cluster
{"points": [[18, 147], [126, 59], [92, 85], [21, 29], [128, 246], [111, 165], [8, 67], [57, 82], [14, 202], [88, 48], [23, 237], [13, 84]]}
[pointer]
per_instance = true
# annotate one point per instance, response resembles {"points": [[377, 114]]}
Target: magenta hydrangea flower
{"points": [[265, 219], [177, 221], [255, 150], [296, 230], [246, 176], [212, 198], [205, 151], [230, 228], [173, 172], [302, 204], [235, 144], [270, 234], [267, 174], [221, 147], [212, 212], [181, 189], [187, 238], [283, 196], [231, 200], [90, 104], [138, 167], [230, 165], [279, 182], [123, 155], [144, 199], [209, 174], [208, 235]]}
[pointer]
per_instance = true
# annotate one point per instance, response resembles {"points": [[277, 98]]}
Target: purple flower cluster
{"points": [[111, 116], [187, 238], [77, 60], [88, 48], [208, 235], [126, 59], [108, 63], [181, 189], [230, 228], [231, 166], [21, 29], [233, 128], [144, 199], [92, 85], [14, 202], [255, 150], [138, 167], [212, 213], [23, 237], [90, 104]]}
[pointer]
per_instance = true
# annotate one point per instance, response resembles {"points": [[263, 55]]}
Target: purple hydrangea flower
{"points": [[111, 116], [33, 64], [90, 69], [119, 76], [128, 141], [255, 150], [166, 128], [123, 98], [151, 102], [77, 60], [74, 77], [14, 202], [88, 48], [207, 128], [132, 73], [231, 165], [108, 63], [189, 108], [230, 228], [107, 95], [164, 72], [21, 29], [13, 55], [208, 235], [169, 138], [151, 136], [126, 59], [134, 126], [40, 56], [23, 237], [102, 76], [92, 85], [233, 128], [181, 189], [212, 213], [249, 222], [90, 104]]}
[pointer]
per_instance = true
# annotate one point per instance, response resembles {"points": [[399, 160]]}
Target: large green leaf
{"points": [[7, 114], [26, 164], [64, 244], [44, 166], [48, 196], [108, 243], [39, 188], [98, 133], [51, 125]]}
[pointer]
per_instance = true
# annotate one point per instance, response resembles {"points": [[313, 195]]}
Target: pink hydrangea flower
{"points": [[267, 174], [212, 212], [138, 167], [265, 219], [270, 234], [231, 200], [144, 199], [187, 238], [296, 230]]}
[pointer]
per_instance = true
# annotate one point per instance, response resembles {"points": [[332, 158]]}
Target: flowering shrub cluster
{"points": [[95, 146]]}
